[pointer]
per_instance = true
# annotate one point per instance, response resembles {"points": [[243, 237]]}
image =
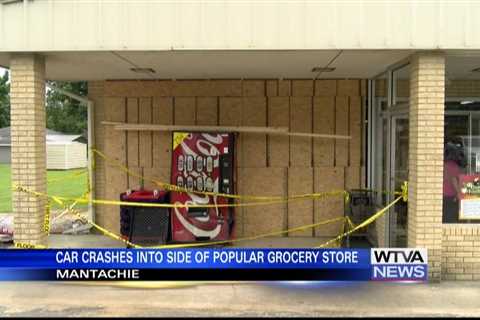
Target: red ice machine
{"points": [[202, 162]]}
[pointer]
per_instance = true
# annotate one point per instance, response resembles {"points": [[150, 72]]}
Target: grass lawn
{"points": [[65, 183]]}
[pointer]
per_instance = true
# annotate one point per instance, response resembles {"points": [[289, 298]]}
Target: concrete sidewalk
{"points": [[450, 299]]}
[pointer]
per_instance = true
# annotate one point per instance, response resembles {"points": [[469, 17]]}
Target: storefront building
{"points": [[401, 78]]}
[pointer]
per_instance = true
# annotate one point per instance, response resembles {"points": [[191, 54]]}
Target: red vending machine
{"points": [[202, 162]]}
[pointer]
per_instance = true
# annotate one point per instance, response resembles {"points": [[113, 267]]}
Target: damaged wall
{"points": [[266, 165]]}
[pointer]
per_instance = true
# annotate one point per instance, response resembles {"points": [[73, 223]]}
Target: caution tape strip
{"points": [[171, 187]]}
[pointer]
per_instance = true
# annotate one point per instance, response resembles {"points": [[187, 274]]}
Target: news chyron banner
{"points": [[227, 264]]}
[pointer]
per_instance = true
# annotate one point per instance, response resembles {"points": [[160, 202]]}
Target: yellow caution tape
{"points": [[46, 221], [22, 245], [363, 224], [171, 187]]}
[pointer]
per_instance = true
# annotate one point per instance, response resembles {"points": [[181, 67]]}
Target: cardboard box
{"points": [[145, 137], [254, 145], [300, 213], [328, 179], [326, 88], [184, 111], [207, 111], [300, 121], [278, 146], [162, 113], [132, 136], [264, 182], [355, 144], [253, 88], [341, 128], [323, 123], [302, 88]]}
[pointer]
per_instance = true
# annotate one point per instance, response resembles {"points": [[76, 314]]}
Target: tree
{"points": [[65, 114], [4, 100]]}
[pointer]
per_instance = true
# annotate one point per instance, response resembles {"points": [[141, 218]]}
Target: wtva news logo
{"points": [[395, 264]]}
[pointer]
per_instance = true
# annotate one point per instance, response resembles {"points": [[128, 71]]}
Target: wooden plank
{"points": [[278, 146], [355, 144], [132, 136], [271, 88], [328, 179], [253, 88], [115, 149], [302, 88], [341, 128], [323, 123], [145, 137], [325, 88], [226, 88], [162, 114], [254, 146], [301, 121], [264, 182], [348, 87], [207, 111], [138, 88], [184, 110], [300, 213]]}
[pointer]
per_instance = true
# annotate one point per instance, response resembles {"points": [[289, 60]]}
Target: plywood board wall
{"points": [[300, 213], [274, 165]]}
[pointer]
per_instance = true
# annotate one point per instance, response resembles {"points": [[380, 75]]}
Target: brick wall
{"points": [[27, 96], [461, 252], [293, 165], [426, 117]]}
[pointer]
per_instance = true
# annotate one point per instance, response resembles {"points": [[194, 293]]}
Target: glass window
{"points": [[461, 176]]}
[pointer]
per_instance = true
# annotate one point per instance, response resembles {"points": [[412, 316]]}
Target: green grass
{"points": [[65, 183]]}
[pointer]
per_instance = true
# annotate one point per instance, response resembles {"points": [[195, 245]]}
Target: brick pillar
{"points": [[427, 92], [27, 94]]}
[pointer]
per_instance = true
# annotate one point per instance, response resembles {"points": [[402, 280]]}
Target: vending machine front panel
{"points": [[202, 162]]}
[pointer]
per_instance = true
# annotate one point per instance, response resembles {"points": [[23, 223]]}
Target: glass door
{"points": [[398, 217]]}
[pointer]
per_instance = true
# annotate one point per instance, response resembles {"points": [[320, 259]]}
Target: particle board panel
{"points": [[352, 178], [190, 88], [278, 146], [284, 88], [159, 174], [254, 146], [138, 88], [134, 180], [302, 88], [184, 111], [253, 88], [115, 149], [264, 182], [323, 123], [162, 113], [341, 128], [132, 136], [230, 114], [226, 88], [145, 137], [363, 88], [328, 179], [207, 111], [300, 213], [271, 88], [300, 121], [325, 88], [348, 87], [355, 119]]}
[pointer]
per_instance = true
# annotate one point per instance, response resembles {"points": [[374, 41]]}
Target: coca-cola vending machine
{"points": [[202, 162]]}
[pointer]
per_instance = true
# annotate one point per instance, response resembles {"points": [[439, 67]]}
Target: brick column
{"points": [[28, 146], [427, 92]]}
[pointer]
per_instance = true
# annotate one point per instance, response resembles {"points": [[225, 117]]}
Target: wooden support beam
{"points": [[261, 130]]}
